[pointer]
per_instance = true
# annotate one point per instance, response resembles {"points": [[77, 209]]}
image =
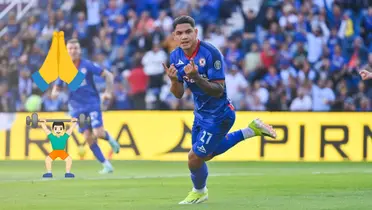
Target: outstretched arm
{"points": [[45, 128], [73, 124]]}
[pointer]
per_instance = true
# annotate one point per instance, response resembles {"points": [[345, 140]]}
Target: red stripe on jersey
{"points": [[231, 107], [195, 52]]}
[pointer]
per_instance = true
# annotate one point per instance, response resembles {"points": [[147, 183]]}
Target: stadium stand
{"points": [[283, 55]]}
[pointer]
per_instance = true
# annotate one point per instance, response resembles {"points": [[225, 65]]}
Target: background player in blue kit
{"points": [[86, 100], [200, 65]]}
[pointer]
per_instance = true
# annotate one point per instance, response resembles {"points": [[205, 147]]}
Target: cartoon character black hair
{"points": [[58, 124]]}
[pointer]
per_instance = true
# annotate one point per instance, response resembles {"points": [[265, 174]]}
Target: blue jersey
{"points": [[211, 65], [86, 97]]}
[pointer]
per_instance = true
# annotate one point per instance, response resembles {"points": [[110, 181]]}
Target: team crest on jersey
{"points": [[202, 62], [84, 70], [217, 64]]}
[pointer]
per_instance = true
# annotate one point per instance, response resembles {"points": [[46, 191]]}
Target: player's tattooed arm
{"points": [[177, 89], [45, 128], [214, 89]]}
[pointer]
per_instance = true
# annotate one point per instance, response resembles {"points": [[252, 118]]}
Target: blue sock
{"points": [[97, 152], [108, 137], [199, 176], [228, 142]]}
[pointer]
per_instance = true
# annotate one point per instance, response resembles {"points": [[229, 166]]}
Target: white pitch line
{"points": [[106, 177]]}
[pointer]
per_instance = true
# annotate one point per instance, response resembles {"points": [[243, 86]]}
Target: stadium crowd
{"points": [[297, 55]]}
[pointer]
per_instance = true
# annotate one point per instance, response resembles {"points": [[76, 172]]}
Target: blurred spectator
{"points": [[7, 103], [306, 73], [121, 99], [51, 104], [302, 102], [236, 85], [152, 63], [323, 97], [138, 83], [286, 71], [165, 22], [288, 55], [272, 78], [93, 17], [252, 61]]}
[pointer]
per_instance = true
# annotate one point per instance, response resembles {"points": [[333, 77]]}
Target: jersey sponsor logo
{"points": [[179, 63], [202, 62], [217, 64]]}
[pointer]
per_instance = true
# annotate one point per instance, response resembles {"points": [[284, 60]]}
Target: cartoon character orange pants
{"points": [[58, 153]]}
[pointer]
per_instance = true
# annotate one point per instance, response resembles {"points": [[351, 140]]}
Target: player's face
{"points": [[185, 35], [58, 130], [74, 50]]}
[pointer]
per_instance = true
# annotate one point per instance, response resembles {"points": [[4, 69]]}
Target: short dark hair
{"points": [[58, 124], [183, 19]]}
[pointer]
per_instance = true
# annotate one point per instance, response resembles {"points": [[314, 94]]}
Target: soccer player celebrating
{"points": [[86, 100], [200, 65]]}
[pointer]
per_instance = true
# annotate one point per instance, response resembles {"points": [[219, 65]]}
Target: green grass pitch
{"points": [[152, 185]]}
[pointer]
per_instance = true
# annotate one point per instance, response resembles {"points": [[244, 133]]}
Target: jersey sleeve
{"points": [[95, 69], [172, 60], [216, 66]]}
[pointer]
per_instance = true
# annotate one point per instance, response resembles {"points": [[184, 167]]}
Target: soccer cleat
{"points": [[48, 175], [195, 198], [262, 129], [106, 170], [115, 146], [69, 175]]}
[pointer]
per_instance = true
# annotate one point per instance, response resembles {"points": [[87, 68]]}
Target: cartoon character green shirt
{"points": [[58, 143]]}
